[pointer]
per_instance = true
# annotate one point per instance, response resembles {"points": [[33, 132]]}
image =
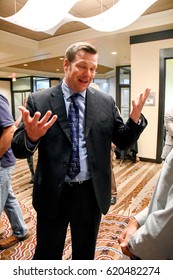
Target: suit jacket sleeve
{"points": [[125, 135], [20, 145]]}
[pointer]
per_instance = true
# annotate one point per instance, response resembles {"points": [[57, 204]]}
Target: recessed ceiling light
{"points": [[113, 52], [25, 64]]}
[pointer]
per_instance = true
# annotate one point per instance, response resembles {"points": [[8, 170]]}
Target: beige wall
{"points": [[145, 73]]}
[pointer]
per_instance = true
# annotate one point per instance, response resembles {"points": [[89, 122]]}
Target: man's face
{"points": [[80, 72]]}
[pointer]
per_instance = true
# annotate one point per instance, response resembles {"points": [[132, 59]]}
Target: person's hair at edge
{"points": [[95, 86], [78, 46]]}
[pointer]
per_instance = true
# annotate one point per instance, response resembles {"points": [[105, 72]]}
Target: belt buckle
{"points": [[75, 183], [70, 184], [80, 182]]}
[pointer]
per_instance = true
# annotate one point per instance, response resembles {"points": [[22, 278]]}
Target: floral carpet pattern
{"points": [[135, 185]]}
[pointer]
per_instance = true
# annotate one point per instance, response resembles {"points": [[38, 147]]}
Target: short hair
{"points": [[71, 51]]}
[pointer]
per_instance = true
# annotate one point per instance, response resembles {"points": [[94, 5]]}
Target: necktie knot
{"points": [[74, 96]]}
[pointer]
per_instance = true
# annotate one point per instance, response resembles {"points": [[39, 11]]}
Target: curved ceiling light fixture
{"points": [[120, 15], [49, 15], [41, 15]]}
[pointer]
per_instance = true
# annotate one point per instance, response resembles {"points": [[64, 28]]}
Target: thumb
{"points": [[123, 244], [22, 108], [120, 240]]}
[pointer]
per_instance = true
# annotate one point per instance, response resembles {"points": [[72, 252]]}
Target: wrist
{"points": [[32, 140], [134, 222], [135, 118]]}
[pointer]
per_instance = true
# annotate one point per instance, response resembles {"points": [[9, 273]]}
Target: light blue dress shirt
{"points": [[84, 167]]}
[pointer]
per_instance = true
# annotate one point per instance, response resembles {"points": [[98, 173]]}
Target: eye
{"points": [[92, 69]]}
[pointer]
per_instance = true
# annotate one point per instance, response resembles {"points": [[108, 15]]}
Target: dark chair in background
{"points": [[129, 154]]}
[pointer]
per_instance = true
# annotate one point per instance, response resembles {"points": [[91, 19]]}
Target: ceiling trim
{"points": [[154, 36]]}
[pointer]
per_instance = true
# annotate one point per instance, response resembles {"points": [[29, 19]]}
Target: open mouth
{"points": [[83, 82]]}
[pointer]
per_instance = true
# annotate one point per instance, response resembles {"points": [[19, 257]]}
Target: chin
{"points": [[82, 88]]}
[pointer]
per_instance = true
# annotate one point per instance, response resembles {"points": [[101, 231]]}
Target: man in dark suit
{"points": [[58, 198]]}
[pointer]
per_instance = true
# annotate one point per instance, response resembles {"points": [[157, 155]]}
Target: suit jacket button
{"points": [[65, 164], [60, 185]]}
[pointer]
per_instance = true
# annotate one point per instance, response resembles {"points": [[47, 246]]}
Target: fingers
{"points": [[126, 251], [48, 124], [53, 120], [120, 239], [143, 96], [138, 103], [46, 117], [147, 91], [22, 108], [36, 127], [122, 236], [124, 247], [146, 94], [35, 118], [45, 122], [25, 113]]}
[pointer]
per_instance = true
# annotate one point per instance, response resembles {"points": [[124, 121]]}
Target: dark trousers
{"points": [[77, 207]]}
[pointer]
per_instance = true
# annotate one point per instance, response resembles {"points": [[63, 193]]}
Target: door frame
{"points": [[164, 55]]}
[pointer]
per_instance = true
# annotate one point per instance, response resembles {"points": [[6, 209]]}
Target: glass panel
{"points": [[18, 101], [103, 84], [125, 114], [22, 84], [40, 83], [125, 97], [125, 76]]}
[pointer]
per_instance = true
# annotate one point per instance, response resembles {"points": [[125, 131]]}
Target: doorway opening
{"points": [[165, 95]]}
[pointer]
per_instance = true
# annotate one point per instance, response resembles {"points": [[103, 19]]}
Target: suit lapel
{"points": [[58, 107], [91, 102]]}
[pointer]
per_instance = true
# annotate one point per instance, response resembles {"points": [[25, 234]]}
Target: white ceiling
{"points": [[19, 49]]}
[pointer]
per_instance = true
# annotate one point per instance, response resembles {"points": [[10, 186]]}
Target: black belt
{"points": [[72, 184]]}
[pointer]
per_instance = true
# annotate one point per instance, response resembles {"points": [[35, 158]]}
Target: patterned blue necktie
{"points": [[73, 117]]}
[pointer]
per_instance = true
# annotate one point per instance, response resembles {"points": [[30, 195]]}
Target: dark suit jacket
{"points": [[103, 126]]}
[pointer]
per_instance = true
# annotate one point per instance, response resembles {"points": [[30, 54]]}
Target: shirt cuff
{"points": [[139, 122], [31, 147]]}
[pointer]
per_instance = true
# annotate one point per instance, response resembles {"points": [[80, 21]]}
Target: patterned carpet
{"points": [[135, 184]]}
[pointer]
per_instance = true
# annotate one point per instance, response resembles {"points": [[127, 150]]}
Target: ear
{"points": [[66, 64]]}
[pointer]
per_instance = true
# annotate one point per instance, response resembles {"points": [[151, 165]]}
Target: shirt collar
{"points": [[68, 92]]}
